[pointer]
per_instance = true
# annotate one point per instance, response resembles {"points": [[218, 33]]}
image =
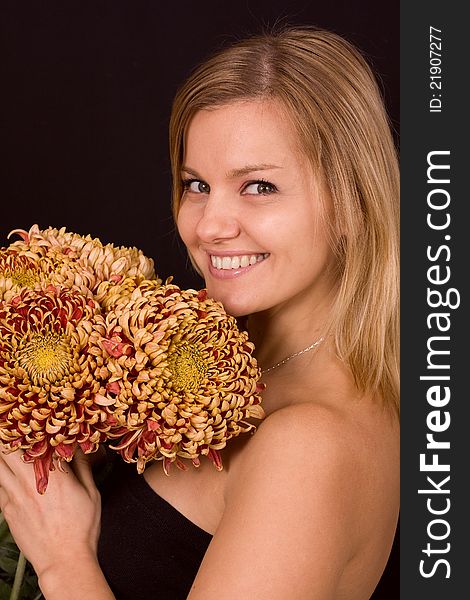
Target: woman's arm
{"points": [[288, 529], [57, 531]]}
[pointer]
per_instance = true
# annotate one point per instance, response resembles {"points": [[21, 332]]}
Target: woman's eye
{"points": [[260, 187], [196, 186]]}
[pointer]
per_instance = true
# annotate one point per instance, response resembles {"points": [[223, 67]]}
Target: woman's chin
{"points": [[236, 307]]}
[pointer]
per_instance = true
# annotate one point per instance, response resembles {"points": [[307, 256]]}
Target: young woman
{"points": [[286, 196]]}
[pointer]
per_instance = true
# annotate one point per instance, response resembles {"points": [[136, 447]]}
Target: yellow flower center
{"points": [[23, 278], [46, 357], [187, 367]]}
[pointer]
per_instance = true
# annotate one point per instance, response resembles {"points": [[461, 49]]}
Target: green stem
{"points": [[20, 568]]}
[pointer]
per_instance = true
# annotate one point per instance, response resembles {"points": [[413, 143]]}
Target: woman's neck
{"points": [[279, 333]]}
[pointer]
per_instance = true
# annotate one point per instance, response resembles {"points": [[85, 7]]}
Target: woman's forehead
{"points": [[248, 132]]}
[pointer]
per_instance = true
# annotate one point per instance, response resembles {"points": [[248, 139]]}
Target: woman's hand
{"points": [[59, 526]]}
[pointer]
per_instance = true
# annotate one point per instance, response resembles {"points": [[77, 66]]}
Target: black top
{"points": [[147, 549]]}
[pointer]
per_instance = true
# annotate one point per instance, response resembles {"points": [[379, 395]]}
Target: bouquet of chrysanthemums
{"points": [[96, 349]]}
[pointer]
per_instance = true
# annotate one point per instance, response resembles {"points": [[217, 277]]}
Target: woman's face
{"points": [[251, 214]]}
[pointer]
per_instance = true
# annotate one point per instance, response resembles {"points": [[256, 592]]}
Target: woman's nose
{"points": [[218, 221]]}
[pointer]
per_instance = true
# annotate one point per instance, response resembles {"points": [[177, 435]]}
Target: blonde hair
{"points": [[331, 97]]}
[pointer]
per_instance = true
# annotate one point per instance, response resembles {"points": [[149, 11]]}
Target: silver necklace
{"points": [[282, 362]]}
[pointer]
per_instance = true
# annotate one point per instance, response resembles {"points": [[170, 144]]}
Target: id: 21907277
{"points": [[435, 69]]}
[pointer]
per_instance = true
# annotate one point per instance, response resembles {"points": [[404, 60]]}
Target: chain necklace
{"points": [[282, 362]]}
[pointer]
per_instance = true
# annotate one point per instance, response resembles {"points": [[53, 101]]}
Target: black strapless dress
{"points": [[147, 549]]}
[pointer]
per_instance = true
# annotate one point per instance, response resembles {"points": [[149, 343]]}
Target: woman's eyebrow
{"points": [[234, 173], [189, 171]]}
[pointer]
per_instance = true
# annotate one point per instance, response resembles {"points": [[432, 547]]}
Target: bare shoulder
{"points": [[315, 454], [312, 439], [336, 468], [318, 421], [292, 523]]}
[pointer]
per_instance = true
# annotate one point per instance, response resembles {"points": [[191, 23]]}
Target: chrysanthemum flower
{"points": [[51, 401], [106, 262], [28, 269], [182, 376], [109, 293]]}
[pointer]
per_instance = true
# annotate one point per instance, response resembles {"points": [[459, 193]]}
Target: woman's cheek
{"points": [[186, 224]]}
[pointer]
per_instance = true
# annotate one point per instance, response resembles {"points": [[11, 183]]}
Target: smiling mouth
{"points": [[227, 263]]}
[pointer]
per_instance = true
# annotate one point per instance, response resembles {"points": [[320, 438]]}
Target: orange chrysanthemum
{"points": [[50, 400], [109, 293], [105, 262], [181, 375], [21, 269]]}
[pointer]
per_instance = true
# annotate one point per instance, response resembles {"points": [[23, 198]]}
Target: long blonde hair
{"points": [[332, 99]]}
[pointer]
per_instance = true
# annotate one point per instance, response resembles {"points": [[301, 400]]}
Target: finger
{"points": [[7, 476], [7, 483], [83, 472], [12, 458], [3, 497], [3, 503]]}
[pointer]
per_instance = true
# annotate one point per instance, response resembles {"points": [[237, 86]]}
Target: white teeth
{"points": [[235, 262], [244, 261]]}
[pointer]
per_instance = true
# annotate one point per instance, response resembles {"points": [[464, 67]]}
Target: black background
{"points": [[86, 91]]}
